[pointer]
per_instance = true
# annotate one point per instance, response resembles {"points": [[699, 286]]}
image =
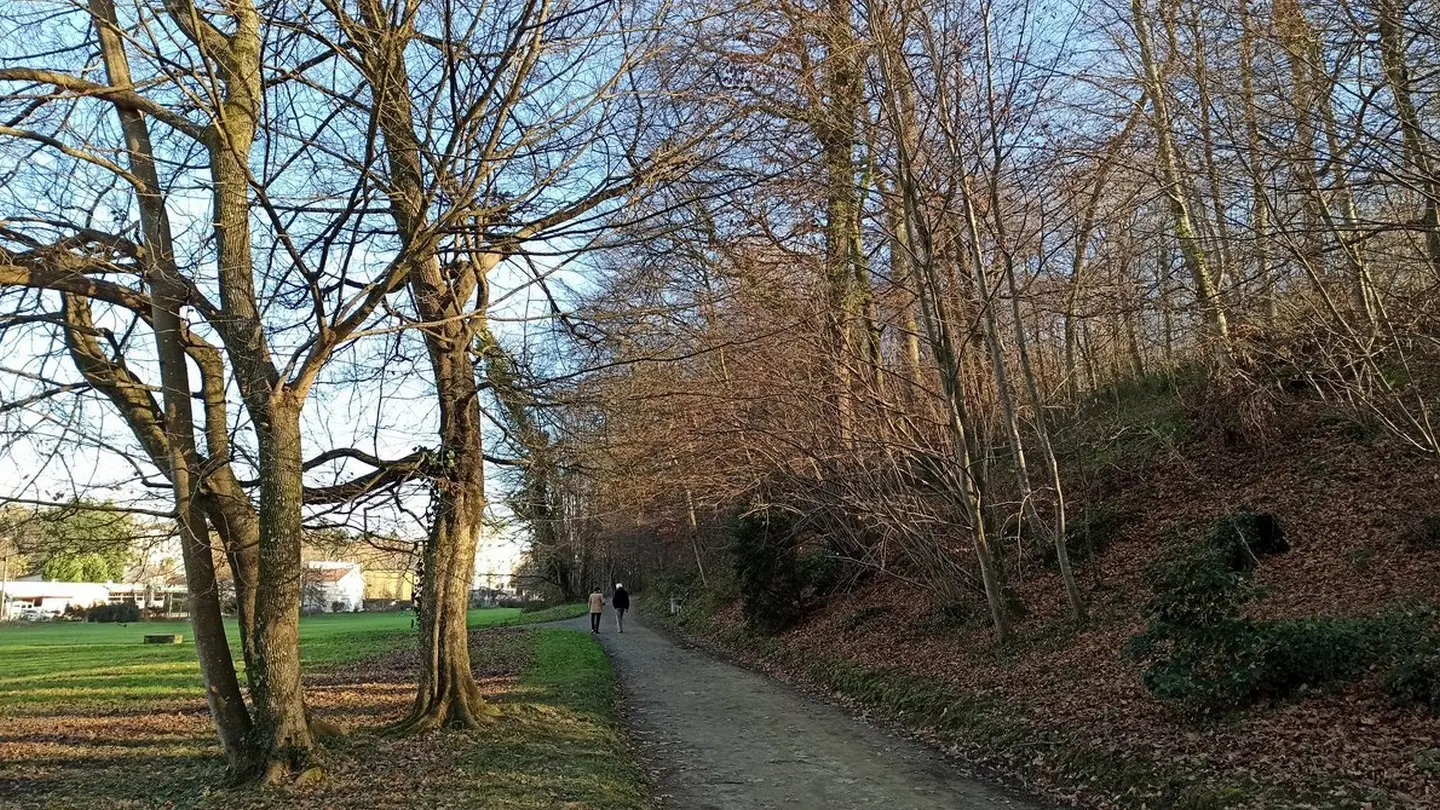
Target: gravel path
{"points": [[723, 738]]}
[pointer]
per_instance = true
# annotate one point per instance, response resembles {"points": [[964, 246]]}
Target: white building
{"points": [[53, 597], [333, 586]]}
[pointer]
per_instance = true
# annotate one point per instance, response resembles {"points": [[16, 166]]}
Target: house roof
{"points": [[327, 574]]}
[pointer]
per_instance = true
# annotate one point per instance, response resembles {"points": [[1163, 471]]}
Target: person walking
{"points": [[621, 602], [597, 606]]}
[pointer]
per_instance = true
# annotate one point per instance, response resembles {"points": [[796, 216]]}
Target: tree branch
{"points": [[120, 96]]}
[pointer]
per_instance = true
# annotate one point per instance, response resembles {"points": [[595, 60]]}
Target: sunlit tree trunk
{"points": [[1396, 65], [1172, 186], [181, 458]]}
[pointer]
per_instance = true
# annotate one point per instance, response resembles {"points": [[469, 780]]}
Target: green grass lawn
{"points": [[47, 662], [90, 716]]}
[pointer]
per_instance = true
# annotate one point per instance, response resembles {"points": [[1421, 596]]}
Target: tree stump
{"points": [[164, 638]]}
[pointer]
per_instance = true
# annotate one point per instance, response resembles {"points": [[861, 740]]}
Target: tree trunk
{"points": [[1396, 64], [447, 693], [1220, 229], [998, 364], [969, 490], [1174, 190], [283, 737], [167, 296], [1047, 449], [835, 123]]}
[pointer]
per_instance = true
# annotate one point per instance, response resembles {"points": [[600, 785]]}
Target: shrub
{"points": [[1204, 654], [1312, 652], [1197, 587], [1415, 678], [767, 572], [1239, 412], [820, 572], [119, 612], [1232, 664], [1244, 537], [1199, 648]]}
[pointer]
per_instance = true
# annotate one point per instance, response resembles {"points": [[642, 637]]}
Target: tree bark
{"points": [[282, 737], [447, 694], [282, 732], [834, 122], [167, 296]]}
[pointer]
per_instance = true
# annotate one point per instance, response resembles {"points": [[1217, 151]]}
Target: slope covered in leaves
{"points": [[1063, 711]]}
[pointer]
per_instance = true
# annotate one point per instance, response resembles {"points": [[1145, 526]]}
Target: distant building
{"points": [[391, 585], [168, 595], [52, 597], [332, 586]]}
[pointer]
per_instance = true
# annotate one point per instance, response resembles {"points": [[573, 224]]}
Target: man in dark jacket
{"points": [[621, 602]]}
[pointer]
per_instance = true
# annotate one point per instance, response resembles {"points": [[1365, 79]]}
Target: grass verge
{"points": [[559, 743], [553, 613]]}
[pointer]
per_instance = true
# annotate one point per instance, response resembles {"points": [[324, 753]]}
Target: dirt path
{"points": [[723, 737]]}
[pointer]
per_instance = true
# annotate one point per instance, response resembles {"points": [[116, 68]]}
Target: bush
{"points": [[1197, 587], [1311, 652], [767, 572], [1244, 537], [1233, 664], [120, 612], [1415, 678], [1198, 646], [820, 572], [1204, 654]]}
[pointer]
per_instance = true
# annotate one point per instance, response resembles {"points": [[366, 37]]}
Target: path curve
{"points": [[723, 738]]}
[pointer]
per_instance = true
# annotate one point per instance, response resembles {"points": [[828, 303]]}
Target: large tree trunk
{"points": [[447, 694], [167, 296], [283, 737], [453, 301]]}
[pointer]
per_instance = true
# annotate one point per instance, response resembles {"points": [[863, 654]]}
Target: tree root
{"points": [[467, 712]]}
